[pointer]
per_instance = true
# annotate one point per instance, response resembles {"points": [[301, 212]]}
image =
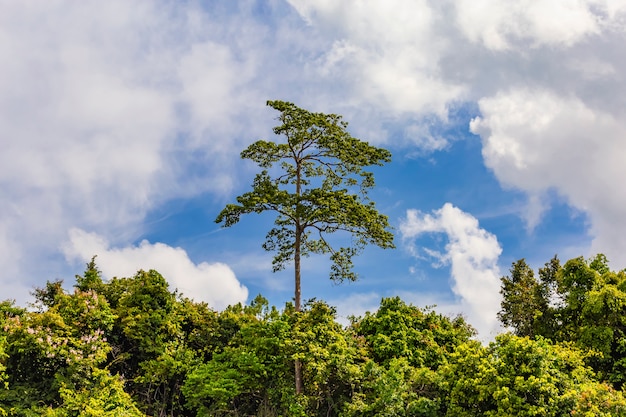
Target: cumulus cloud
{"points": [[214, 283], [472, 254], [548, 82], [559, 22], [402, 60], [108, 110], [536, 141], [387, 55]]}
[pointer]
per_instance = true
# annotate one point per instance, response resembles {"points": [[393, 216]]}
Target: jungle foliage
{"points": [[134, 347]]}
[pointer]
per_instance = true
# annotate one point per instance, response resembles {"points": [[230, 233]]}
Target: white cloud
{"points": [[387, 54], [405, 63], [498, 24], [536, 141], [472, 254], [108, 110], [214, 283], [401, 60], [69, 102]]}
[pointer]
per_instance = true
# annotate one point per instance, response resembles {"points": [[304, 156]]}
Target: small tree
{"points": [[522, 304], [320, 188]]}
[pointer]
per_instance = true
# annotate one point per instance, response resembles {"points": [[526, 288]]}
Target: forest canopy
{"points": [[135, 347]]}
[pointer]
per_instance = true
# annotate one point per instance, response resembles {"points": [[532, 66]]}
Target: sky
{"points": [[121, 125]]}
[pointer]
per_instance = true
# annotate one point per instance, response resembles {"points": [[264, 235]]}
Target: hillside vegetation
{"points": [[133, 347]]}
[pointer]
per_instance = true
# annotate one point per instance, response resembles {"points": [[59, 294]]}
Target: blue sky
{"points": [[122, 124]]}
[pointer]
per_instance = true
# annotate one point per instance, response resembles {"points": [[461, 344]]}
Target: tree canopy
{"points": [[131, 346], [581, 301], [317, 185]]}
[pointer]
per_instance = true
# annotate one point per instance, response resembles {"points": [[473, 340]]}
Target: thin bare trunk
{"points": [[296, 263], [298, 372], [297, 365], [297, 295]]}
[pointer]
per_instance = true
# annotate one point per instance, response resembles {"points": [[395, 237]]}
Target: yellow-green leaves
{"points": [[518, 376]]}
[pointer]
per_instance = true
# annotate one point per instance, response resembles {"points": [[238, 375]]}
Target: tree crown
{"points": [[318, 185]]}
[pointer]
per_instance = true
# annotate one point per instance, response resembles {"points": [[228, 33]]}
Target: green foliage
{"points": [[104, 396], [62, 359], [404, 346], [320, 188], [583, 302], [49, 351], [92, 279], [599, 400], [47, 296], [330, 359], [423, 337], [150, 340], [8, 311], [131, 347], [397, 389], [251, 375], [518, 376], [159, 381], [144, 312], [524, 301]]}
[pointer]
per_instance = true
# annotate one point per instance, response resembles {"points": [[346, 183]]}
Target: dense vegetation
{"points": [[133, 347]]}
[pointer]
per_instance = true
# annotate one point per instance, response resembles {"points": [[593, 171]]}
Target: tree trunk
{"points": [[298, 373], [296, 262]]}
